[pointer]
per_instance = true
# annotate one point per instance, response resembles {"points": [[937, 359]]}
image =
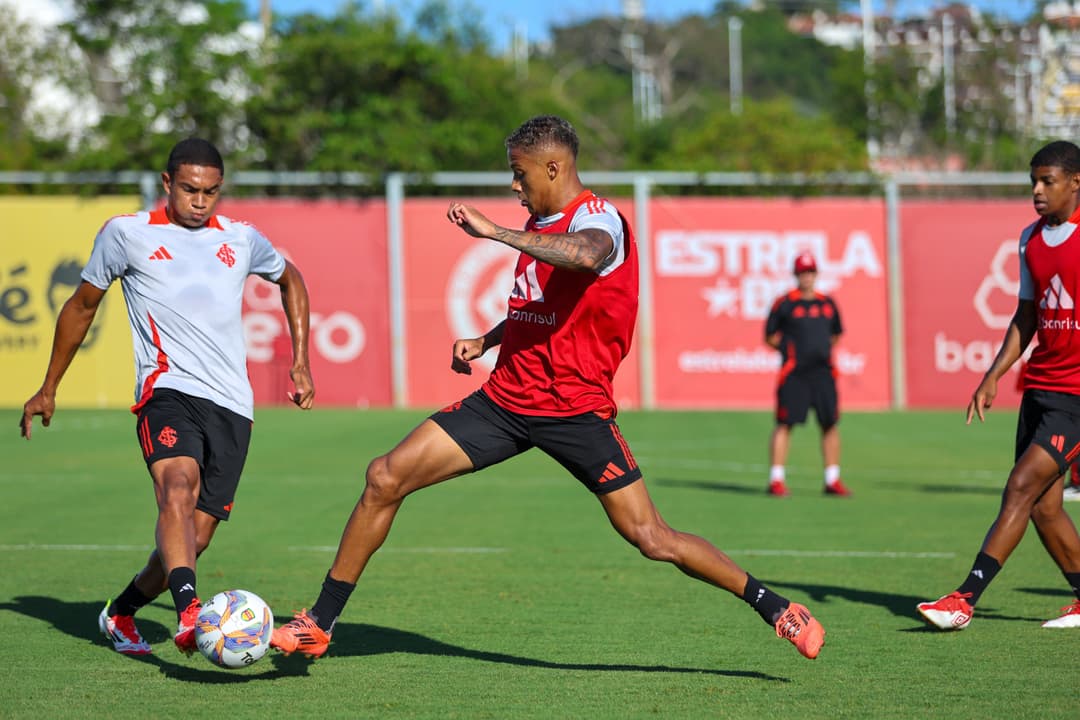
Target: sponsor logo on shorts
{"points": [[611, 472]]}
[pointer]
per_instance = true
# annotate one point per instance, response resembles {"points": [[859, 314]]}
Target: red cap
{"points": [[805, 263]]}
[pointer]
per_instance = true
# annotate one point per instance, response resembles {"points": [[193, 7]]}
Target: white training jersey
{"points": [[184, 293]]}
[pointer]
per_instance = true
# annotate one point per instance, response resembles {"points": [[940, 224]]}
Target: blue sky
{"points": [[537, 16]]}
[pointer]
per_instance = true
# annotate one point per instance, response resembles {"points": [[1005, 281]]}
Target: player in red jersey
{"points": [[804, 325], [1048, 426], [568, 326]]}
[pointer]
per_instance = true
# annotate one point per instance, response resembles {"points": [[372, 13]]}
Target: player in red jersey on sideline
{"points": [[569, 324], [804, 325], [1048, 426]]}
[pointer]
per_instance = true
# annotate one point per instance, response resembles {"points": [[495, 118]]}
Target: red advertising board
{"points": [[718, 264], [961, 269], [457, 286], [340, 248]]}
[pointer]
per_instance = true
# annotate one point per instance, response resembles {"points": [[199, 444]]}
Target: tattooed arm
{"points": [[587, 250]]}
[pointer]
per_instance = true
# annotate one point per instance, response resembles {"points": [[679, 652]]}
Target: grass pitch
{"points": [[506, 594]]}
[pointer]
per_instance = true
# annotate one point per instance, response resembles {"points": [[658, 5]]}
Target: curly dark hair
{"points": [[1060, 153], [544, 130]]}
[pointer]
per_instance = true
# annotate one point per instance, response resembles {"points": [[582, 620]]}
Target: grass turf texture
{"points": [[506, 594]]}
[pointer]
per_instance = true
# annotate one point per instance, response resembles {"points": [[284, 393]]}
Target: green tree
{"points": [[159, 71], [16, 83], [770, 136], [353, 92], [30, 137]]}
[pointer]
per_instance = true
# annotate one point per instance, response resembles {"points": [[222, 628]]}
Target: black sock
{"points": [[182, 586], [1074, 582], [768, 604], [982, 572], [129, 601], [332, 599]]}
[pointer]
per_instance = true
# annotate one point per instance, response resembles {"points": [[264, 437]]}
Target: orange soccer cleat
{"points": [[799, 626], [301, 634]]}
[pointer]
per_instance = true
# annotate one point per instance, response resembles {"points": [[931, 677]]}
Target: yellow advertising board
{"points": [[44, 243]]}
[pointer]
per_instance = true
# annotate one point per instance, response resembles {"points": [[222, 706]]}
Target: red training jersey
{"points": [[566, 332], [1054, 266]]}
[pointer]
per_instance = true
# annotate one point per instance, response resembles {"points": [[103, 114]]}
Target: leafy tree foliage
{"points": [[770, 136], [377, 92], [350, 92], [162, 70]]}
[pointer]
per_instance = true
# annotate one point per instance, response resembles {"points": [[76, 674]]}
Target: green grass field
{"points": [[506, 594]]}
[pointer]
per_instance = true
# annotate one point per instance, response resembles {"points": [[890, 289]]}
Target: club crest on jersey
{"points": [[226, 255]]}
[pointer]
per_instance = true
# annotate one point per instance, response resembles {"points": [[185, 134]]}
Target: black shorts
{"points": [[588, 445], [175, 424], [1050, 420], [800, 391]]}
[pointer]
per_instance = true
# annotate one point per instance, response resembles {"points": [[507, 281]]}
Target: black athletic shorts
{"points": [[1050, 420], [175, 424], [802, 390], [588, 445]]}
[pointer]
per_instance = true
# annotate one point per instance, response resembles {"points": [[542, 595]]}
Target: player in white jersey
{"points": [[182, 270]]}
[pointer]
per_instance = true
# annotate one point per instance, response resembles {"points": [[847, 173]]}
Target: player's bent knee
{"points": [[655, 543], [380, 483], [1044, 512]]}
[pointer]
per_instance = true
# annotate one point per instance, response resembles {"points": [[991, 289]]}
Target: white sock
{"points": [[776, 472], [832, 474]]}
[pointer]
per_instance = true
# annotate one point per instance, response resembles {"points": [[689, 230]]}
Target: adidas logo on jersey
{"points": [[1056, 296], [161, 254]]}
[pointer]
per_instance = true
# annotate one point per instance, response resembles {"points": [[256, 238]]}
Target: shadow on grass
{"points": [[359, 640], [758, 489], [899, 605], [942, 488], [79, 620], [1048, 592]]}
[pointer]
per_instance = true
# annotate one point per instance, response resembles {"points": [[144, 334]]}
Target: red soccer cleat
{"points": [[837, 489], [185, 630], [778, 488], [121, 630], [950, 612]]}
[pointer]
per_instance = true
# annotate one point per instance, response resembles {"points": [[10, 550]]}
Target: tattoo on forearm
{"points": [[583, 250]]}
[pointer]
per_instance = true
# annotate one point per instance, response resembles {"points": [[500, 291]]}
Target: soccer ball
{"points": [[234, 628]]}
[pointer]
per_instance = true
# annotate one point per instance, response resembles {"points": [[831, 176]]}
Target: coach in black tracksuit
{"points": [[804, 325]]}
